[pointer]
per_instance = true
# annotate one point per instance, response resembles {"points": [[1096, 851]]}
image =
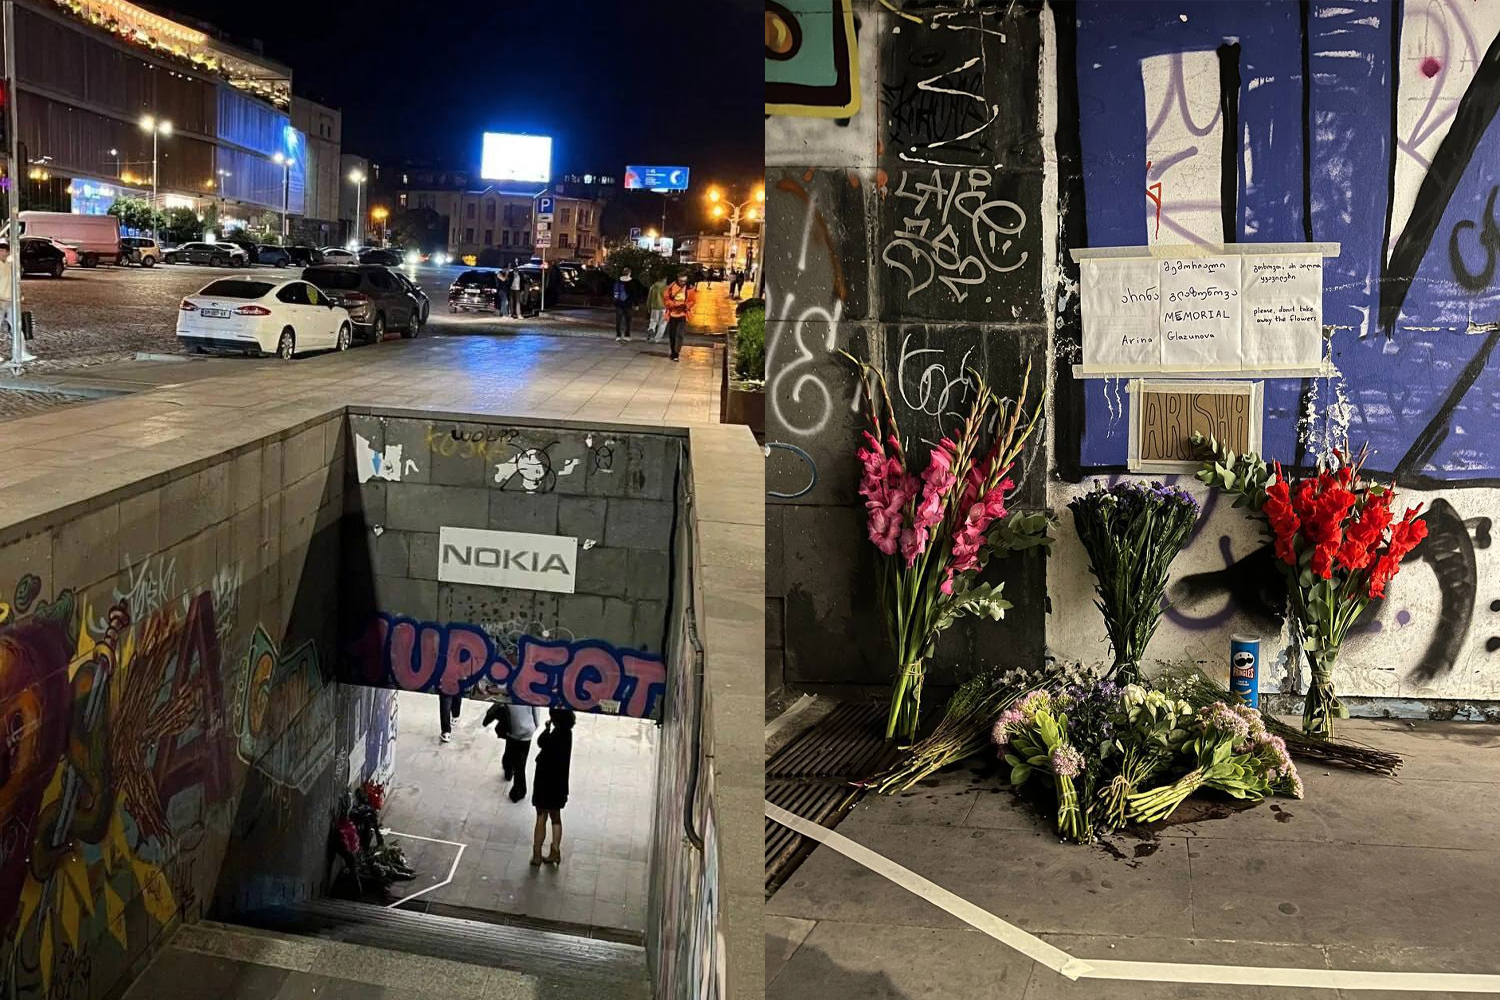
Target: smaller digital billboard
{"points": [[656, 178], [507, 156]]}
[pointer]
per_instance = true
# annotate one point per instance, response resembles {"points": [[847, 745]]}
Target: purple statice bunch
{"points": [[1021, 713], [1093, 712], [1132, 531], [1225, 721], [1066, 761], [1256, 728], [1270, 754]]}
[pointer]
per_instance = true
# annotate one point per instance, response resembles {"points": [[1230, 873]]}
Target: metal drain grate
{"points": [[812, 775]]}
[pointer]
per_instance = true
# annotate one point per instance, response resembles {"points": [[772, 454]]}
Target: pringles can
{"points": [[1244, 668]]}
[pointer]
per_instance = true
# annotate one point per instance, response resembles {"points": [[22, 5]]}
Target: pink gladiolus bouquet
{"points": [[938, 528]]}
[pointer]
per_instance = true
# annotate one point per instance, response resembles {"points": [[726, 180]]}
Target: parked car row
{"points": [[325, 309]]}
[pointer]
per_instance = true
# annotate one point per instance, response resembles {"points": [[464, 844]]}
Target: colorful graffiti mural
{"points": [[812, 59], [286, 719], [114, 755], [461, 658]]}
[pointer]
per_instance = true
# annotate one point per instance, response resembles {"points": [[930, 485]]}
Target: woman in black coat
{"points": [[549, 783]]}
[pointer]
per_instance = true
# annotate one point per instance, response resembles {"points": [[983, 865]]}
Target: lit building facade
{"points": [[90, 70]]}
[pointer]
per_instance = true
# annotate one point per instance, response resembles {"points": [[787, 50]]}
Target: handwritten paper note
{"points": [[1120, 309], [1283, 306], [1200, 312], [1248, 312]]}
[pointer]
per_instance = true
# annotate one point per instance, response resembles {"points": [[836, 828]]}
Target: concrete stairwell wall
{"points": [[605, 495], [165, 651]]}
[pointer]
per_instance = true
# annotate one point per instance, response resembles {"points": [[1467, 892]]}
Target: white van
{"points": [[97, 237]]}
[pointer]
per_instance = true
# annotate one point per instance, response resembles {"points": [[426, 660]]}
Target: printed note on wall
{"points": [[1283, 312], [1200, 312], [1121, 309]]}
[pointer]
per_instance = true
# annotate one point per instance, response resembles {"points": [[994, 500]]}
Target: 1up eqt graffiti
{"points": [[460, 658]]}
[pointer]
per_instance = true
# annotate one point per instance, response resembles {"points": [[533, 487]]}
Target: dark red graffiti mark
{"points": [[592, 676], [787, 184], [1431, 67], [1153, 195], [197, 685], [413, 673], [466, 657]]}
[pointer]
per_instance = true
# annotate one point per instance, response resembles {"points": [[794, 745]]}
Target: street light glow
{"points": [[166, 128], [713, 194], [148, 123], [760, 193], [356, 176], [718, 211], [752, 215]]}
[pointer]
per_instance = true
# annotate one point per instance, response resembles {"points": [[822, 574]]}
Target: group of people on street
{"points": [[517, 725], [508, 288], [668, 302]]}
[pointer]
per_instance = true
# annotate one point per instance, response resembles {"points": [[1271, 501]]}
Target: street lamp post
{"points": [[358, 177], [379, 214], [116, 154], [749, 210], [286, 190], [157, 129]]}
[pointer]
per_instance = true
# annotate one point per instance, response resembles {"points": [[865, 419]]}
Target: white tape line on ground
{"points": [[1029, 945], [438, 885], [1155, 972]]}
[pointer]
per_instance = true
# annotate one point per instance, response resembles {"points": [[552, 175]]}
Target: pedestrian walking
{"points": [[550, 788], [7, 276], [502, 297], [656, 327], [622, 299], [515, 292], [522, 723], [678, 301], [448, 708]]}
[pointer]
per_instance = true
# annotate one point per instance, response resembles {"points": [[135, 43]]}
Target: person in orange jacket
{"points": [[678, 300]]}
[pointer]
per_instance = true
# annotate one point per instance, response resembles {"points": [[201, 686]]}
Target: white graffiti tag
{"points": [[929, 247], [801, 370], [932, 390]]}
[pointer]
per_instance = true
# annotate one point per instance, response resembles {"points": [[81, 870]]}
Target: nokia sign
{"points": [[508, 559]]}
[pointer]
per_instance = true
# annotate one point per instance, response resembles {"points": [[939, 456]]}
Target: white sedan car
{"points": [[339, 255], [247, 313]]}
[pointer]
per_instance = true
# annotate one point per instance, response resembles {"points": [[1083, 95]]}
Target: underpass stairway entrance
{"points": [[333, 950]]}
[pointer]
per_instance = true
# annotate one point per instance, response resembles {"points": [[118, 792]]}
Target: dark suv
{"points": [[472, 290], [375, 299]]}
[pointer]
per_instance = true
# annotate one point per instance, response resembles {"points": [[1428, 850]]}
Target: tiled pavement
{"points": [[77, 452], [454, 792]]}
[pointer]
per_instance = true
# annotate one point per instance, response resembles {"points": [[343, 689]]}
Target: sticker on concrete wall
{"points": [[1188, 309], [372, 464], [1164, 416], [508, 559]]}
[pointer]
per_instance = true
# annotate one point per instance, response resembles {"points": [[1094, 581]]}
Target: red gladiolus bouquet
{"points": [[1338, 543], [936, 530]]}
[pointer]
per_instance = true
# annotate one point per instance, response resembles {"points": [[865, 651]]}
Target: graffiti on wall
{"points": [[284, 716], [115, 757], [812, 59], [1367, 123], [928, 247], [460, 658]]}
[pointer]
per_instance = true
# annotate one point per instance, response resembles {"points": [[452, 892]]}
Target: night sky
{"points": [[664, 81]]}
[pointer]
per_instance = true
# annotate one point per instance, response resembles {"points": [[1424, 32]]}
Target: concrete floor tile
{"points": [[857, 961], [1029, 879], [1335, 894], [457, 787], [784, 935]]}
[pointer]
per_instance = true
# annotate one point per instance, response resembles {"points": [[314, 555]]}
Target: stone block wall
{"points": [[409, 477], [165, 655]]}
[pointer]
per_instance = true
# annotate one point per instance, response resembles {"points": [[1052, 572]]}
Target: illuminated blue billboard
{"points": [[657, 178]]}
